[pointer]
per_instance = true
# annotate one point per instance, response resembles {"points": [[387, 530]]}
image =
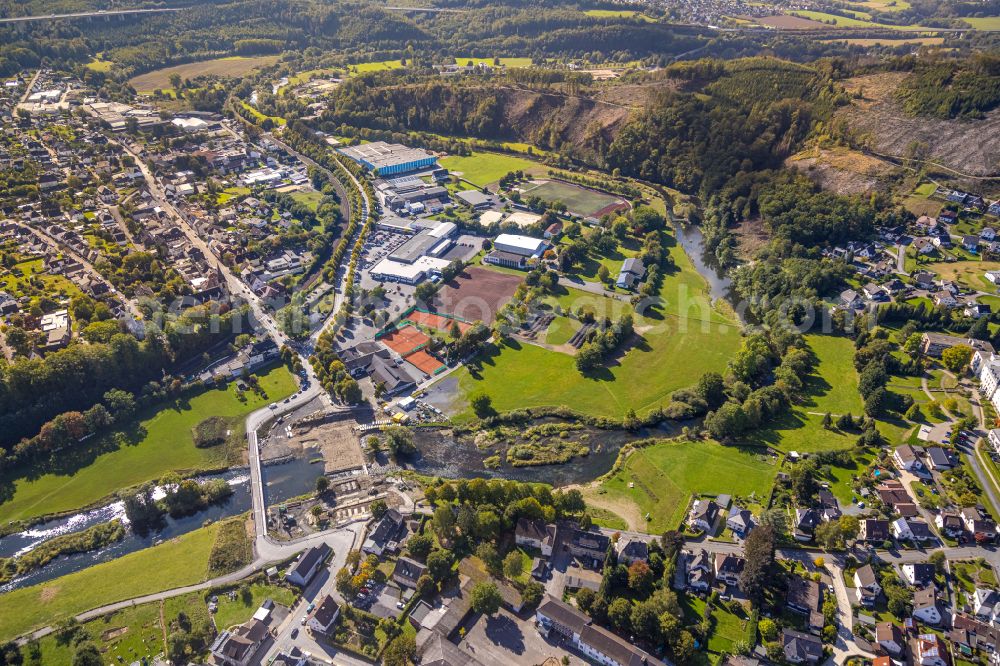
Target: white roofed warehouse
{"points": [[389, 159]]}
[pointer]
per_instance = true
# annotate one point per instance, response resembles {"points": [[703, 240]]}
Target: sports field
{"points": [[231, 66], [482, 169], [580, 200], [178, 562], [476, 294], [436, 321], [405, 339], [675, 345], [161, 442], [660, 479]]}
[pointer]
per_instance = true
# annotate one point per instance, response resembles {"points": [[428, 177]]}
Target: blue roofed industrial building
{"points": [[389, 159]]}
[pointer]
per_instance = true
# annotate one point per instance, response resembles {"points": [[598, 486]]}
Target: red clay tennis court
{"points": [[424, 362], [432, 320], [404, 340]]}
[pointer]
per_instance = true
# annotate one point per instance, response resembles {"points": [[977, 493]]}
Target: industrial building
{"points": [[420, 256], [389, 158]]}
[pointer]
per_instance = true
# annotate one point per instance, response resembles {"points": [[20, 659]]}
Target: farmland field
{"points": [[178, 562], [158, 443], [991, 23], [232, 66], [847, 22], [660, 479], [580, 200], [482, 169]]}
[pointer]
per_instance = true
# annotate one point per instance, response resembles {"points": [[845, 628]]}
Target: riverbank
{"points": [[156, 444], [175, 563]]}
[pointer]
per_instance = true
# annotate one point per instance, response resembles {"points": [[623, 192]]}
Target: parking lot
{"points": [[507, 639]]}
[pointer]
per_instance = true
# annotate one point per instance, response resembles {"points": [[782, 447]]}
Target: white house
{"points": [[307, 565], [918, 574], [890, 637], [905, 458], [703, 515], [699, 571], [740, 521], [925, 606], [867, 585], [324, 616], [535, 534]]}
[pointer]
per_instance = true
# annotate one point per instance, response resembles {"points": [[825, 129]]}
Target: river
{"points": [[282, 482], [441, 453], [693, 242]]}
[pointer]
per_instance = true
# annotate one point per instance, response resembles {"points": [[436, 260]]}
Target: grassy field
{"points": [[665, 475], [99, 65], [846, 22], [618, 13], [380, 66], [178, 562], [52, 285], [505, 62], [122, 637], [686, 330], [165, 446], [833, 387], [579, 200], [231, 66], [984, 23], [241, 609], [485, 168], [727, 628], [922, 41], [968, 273], [310, 198]]}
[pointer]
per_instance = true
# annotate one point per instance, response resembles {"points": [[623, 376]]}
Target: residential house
{"points": [[585, 544], [829, 507], [728, 568], [889, 637], [308, 564], [866, 585], [986, 604], [805, 597], [970, 243], [535, 534], [929, 650], [850, 300], [980, 526], [703, 515], [905, 458], [599, 644], [800, 648], [918, 574], [699, 571], [324, 616], [873, 529], [938, 458], [950, 523], [740, 521], [874, 292], [988, 233], [407, 572], [384, 537], [238, 647], [631, 274], [925, 605], [932, 344], [631, 549], [806, 520], [923, 246], [977, 310]]}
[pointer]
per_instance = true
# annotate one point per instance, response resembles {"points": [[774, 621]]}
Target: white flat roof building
{"points": [[526, 246], [397, 271]]}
